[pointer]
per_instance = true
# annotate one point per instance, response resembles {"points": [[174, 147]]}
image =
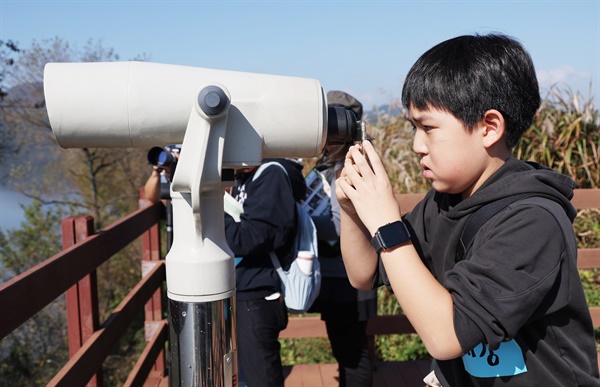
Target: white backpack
{"points": [[300, 290]]}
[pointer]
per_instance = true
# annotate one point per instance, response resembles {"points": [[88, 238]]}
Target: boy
{"points": [[512, 311]]}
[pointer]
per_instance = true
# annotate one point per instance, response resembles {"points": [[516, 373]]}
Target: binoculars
{"points": [[141, 105]]}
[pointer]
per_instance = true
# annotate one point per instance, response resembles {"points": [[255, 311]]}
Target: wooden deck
{"points": [[387, 374]]}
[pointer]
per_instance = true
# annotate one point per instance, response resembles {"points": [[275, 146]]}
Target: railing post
{"points": [[81, 298], [153, 309], [372, 347]]}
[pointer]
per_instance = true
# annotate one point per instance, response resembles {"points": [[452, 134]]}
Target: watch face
{"points": [[394, 234]]}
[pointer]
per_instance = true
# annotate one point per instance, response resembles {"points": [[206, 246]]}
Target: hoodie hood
{"points": [[514, 177], [436, 223]]}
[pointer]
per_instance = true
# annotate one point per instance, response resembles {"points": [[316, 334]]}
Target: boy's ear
{"points": [[493, 127]]}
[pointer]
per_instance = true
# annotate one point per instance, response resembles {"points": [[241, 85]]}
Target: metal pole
{"points": [[202, 344], [169, 224], [200, 271]]}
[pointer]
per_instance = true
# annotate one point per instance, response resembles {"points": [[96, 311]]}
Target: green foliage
{"points": [[121, 361], [396, 347], [36, 240], [587, 231], [587, 228], [591, 285], [306, 351], [33, 353], [387, 304], [116, 277], [400, 348]]}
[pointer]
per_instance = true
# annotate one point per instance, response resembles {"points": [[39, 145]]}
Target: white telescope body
{"points": [[141, 104], [223, 119]]}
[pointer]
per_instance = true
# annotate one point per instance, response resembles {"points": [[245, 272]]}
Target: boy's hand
{"points": [[366, 189], [343, 200]]}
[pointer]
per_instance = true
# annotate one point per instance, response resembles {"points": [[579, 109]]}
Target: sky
{"points": [[362, 47]]}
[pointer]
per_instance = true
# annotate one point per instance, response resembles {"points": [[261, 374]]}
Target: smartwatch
{"points": [[389, 236]]}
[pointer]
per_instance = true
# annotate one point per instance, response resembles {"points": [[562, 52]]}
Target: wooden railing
{"points": [[72, 271]]}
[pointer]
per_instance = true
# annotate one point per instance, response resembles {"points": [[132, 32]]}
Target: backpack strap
{"points": [[264, 166], [478, 219]]}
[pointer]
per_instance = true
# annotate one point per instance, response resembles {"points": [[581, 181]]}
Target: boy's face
{"points": [[454, 159]]}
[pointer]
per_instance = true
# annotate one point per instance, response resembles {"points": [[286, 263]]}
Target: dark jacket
{"points": [[518, 284], [268, 223]]}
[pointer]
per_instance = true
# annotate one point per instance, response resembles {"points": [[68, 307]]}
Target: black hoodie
{"points": [[517, 294], [268, 223]]}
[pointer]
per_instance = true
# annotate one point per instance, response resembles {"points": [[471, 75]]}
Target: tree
{"points": [[7, 50], [94, 181], [103, 183], [30, 355]]}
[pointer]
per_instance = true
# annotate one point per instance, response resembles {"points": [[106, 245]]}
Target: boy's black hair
{"points": [[470, 74]]}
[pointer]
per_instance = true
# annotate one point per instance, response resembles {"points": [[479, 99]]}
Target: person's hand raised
{"points": [[364, 188]]}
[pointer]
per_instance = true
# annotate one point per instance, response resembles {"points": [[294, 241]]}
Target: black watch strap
{"points": [[389, 236]]}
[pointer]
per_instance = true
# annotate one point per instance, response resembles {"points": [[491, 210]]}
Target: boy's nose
{"points": [[418, 145]]}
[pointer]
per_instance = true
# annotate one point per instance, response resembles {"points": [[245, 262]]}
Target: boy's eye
{"points": [[425, 128]]}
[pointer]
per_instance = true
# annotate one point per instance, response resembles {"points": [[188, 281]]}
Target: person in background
{"points": [[158, 185], [268, 223], [153, 184], [344, 309], [160, 178], [511, 310]]}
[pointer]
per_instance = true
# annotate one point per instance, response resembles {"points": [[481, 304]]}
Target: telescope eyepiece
{"points": [[160, 157], [342, 126]]}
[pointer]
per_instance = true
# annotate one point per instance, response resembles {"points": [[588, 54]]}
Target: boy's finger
{"points": [[349, 168], [346, 190], [360, 160], [374, 159], [353, 173]]}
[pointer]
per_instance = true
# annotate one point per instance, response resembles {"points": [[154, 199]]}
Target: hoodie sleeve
{"points": [[269, 216]]}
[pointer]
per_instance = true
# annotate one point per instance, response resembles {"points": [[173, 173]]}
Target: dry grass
{"points": [[565, 136]]}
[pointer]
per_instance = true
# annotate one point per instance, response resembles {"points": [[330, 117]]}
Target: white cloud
{"points": [[564, 75]]}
